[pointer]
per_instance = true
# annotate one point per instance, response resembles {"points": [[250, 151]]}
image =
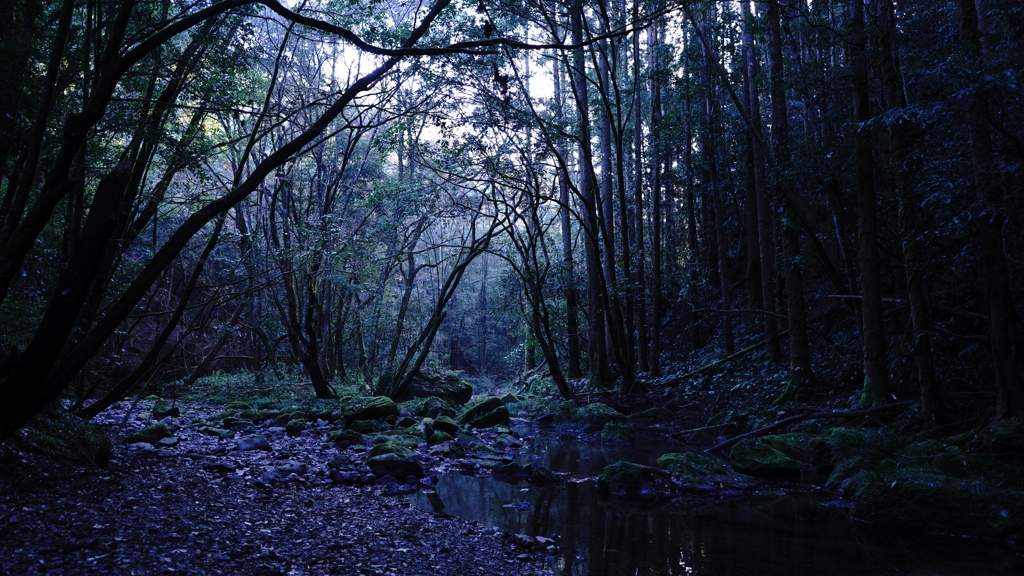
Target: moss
{"points": [[617, 433], [69, 438], [345, 437], [485, 412], [760, 458], [650, 416], [151, 434], [593, 417], [439, 438], [401, 449], [625, 478], [237, 405], [446, 424], [295, 427]]}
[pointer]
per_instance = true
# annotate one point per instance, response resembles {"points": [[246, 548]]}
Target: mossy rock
{"points": [[700, 472], [237, 405], [283, 419], [758, 458], [593, 417], [1006, 435], [617, 433], [402, 449], [451, 449], [70, 438], [432, 407], [295, 427], [446, 424], [162, 409], [218, 432], [427, 425], [650, 416], [447, 386], [251, 415], [485, 412], [439, 438], [625, 478], [150, 435], [406, 422], [936, 502], [345, 437], [394, 465], [367, 426], [368, 408]]}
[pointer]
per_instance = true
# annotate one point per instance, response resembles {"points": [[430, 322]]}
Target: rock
{"points": [[295, 427], [446, 425], [446, 386], [269, 475], [218, 432], [650, 416], [239, 424], [394, 465], [366, 426], [344, 476], [593, 417], [510, 470], [544, 541], [617, 433], [439, 438], [163, 409], [427, 425], [344, 438], [507, 441], [694, 471], [283, 419], [292, 468], [340, 461], [254, 443], [398, 448], [485, 412], [168, 442], [757, 457], [220, 467], [387, 479], [625, 478], [369, 408], [524, 541], [149, 435], [541, 475]]}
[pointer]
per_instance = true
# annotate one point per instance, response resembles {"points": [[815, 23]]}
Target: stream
{"points": [[764, 535]]}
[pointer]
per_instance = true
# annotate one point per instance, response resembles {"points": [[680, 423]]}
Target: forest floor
{"points": [[178, 510]]}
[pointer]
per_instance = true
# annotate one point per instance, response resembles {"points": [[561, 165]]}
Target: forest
{"points": [[570, 201]]}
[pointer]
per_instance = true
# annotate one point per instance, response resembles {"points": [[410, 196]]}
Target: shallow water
{"points": [[788, 535]]}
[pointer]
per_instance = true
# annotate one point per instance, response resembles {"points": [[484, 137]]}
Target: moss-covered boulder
{"points": [[342, 438], [446, 425], [485, 412], [402, 449], [617, 433], [593, 417], [432, 407], [150, 435], [394, 465], [295, 427], [626, 478], [367, 426], [427, 425], [700, 472], [368, 408], [447, 386], [650, 417], [439, 438], [162, 409], [756, 457]]}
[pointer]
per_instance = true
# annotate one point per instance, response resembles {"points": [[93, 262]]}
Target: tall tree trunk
{"points": [[657, 300], [569, 268], [933, 406], [640, 287], [752, 158], [989, 178], [876, 374]]}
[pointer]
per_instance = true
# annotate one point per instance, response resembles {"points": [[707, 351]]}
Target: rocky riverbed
{"points": [[259, 500]]}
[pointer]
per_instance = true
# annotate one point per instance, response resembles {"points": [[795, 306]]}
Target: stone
{"points": [[625, 478], [369, 408], [616, 432], [344, 438], [162, 409], [510, 470], [507, 441], [446, 425], [149, 435], [340, 461], [293, 468], [523, 540], [439, 438], [254, 443], [759, 458], [593, 417], [447, 386], [218, 432], [168, 442], [650, 416], [700, 472], [485, 412], [387, 479], [269, 475], [220, 467], [392, 447], [295, 427], [394, 465], [366, 426], [541, 475]]}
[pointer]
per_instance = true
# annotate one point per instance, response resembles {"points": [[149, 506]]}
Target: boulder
{"points": [[758, 457], [485, 412], [439, 438], [254, 443], [447, 386], [593, 417], [432, 407], [541, 475], [394, 465], [625, 478], [446, 424], [149, 435], [615, 432], [369, 408], [700, 472], [650, 416], [392, 447], [162, 409], [342, 438], [510, 470], [295, 427]]}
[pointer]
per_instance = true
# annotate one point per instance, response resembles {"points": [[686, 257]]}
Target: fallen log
{"points": [[809, 415]]}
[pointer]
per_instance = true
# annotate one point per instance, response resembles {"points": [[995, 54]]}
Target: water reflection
{"points": [[762, 535]]}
